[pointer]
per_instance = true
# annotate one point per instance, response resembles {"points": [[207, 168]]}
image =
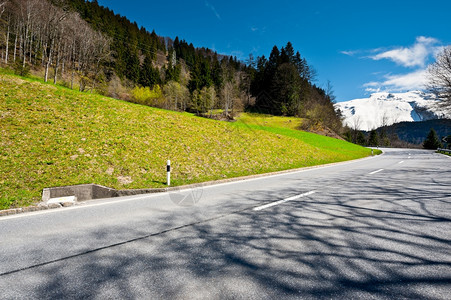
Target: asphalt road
{"points": [[378, 228]]}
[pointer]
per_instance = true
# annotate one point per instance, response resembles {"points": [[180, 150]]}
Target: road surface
{"points": [[374, 228]]}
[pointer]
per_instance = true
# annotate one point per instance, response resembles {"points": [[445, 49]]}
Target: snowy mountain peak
{"points": [[383, 109]]}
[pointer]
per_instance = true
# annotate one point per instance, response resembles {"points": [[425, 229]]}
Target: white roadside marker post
{"points": [[168, 170]]}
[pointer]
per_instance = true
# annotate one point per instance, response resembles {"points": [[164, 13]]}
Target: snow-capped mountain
{"points": [[383, 109]]}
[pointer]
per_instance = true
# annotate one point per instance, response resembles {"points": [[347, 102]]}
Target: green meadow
{"points": [[54, 136]]}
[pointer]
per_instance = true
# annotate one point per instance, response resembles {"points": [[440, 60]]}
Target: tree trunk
{"points": [[44, 54], [57, 63], [7, 46], [20, 46], [49, 61], [31, 45], [15, 47], [73, 59]]}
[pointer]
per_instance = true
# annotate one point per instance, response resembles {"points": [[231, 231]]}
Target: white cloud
{"points": [[372, 83], [413, 56], [412, 81], [416, 80], [349, 53], [213, 9], [426, 40], [372, 90]]}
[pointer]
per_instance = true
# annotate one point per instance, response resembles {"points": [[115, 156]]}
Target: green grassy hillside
{"points": [[53, 136]]}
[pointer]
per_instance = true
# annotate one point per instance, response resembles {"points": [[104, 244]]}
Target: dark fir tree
{"points": [[432, 141], [286, 90], [173, 69], [148, 75], [361, 140], [373, 140]]}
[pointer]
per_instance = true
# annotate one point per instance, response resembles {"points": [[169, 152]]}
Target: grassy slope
{"points": [[332, 150], [53, 136]]}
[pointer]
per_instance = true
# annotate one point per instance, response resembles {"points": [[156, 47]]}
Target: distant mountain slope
{"points": [[416, 132], [382, 109]]}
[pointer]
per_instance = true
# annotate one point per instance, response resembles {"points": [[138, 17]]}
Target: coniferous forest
{"points": [[85, 46]]}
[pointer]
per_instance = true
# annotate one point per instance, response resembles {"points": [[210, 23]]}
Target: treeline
{"points": [[167, 73], [374, 138], [87, 46], [283, 85], [134, 50], [381, 137], [400, 135]]}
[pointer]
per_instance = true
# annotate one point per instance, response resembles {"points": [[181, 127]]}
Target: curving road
{"points": [[374, 228]]}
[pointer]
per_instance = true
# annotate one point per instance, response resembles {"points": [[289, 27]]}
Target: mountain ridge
{"points": [[415, 133], [384, 109]]}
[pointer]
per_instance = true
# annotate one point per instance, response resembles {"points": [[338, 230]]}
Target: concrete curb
{"points": [[39, 207], [86, 192]]}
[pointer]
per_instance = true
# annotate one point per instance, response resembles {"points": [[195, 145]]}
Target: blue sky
{"points": [[360, 46]]}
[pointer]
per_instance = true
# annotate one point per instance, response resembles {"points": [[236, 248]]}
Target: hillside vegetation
{"points": [[54, 136], [83, 45]]}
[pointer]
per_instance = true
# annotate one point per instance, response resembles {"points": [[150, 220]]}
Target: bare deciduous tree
{"points": [[355, 126], [176, 95], [41, 32], [440, 76], [228, 95], [330, 91], [2, 7]]}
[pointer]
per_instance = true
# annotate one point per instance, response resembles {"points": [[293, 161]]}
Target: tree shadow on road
{"points": [[349, 240]]}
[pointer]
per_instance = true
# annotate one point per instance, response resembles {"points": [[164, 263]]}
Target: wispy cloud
{"points": [[414, 56], [257, 30], [213, 9], [349, 53], [416, 80]]}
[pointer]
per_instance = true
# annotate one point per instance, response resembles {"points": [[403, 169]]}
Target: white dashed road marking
{"points": [[283, 201], [376, 171]]}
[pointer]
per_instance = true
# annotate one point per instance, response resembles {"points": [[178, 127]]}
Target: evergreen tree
{"points": [[217, 72], [373, 140], [174, 69], [284, 58], [432, 141], [289, 52], [132, 62], [148, 75], [286, 90], [361, 140], [348, 136], [271, 66], [384, 138]]}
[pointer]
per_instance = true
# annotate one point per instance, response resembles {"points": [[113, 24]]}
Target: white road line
{"points": [[139, 197], [376, 171], [284, 173], [283, 201], [401, 162], [83, 204]]}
